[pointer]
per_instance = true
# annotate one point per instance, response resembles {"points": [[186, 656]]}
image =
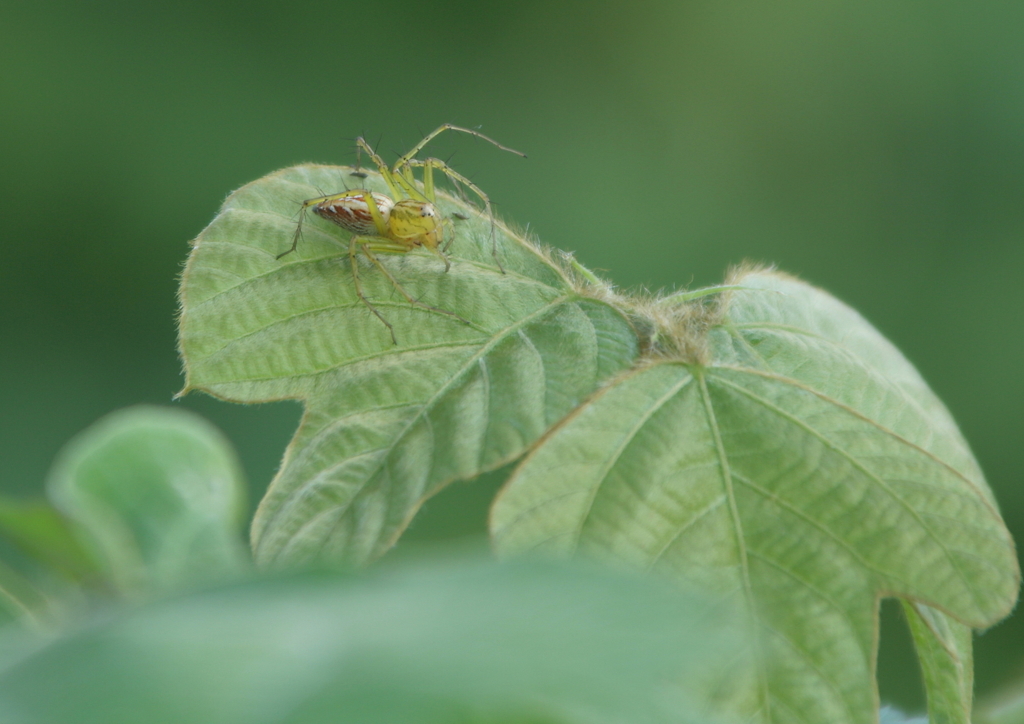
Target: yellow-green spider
{"points": [[401, 222]]}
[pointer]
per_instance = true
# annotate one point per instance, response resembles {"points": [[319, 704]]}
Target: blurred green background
{"points": [[875, 148]]}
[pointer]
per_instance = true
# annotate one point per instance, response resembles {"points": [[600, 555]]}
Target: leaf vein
{"points": [[768, 404], [627, 438], [682, 529], [741, 544], [457, 375]]}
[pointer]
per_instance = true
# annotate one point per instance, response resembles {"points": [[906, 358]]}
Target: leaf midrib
{"points": [[767, 404], [347, 363], [741, 541], [876, 374], [329, 257], [426, 406], [774, 376], [393, 349]]}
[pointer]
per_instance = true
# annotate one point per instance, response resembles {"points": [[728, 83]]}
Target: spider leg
{"points": [[404, 160], [373, 245], [302, 217], [298, 232], [378, 217], [456, 177], [405, 180], [450, 227], [353, 245], [388, 174], [441, 252]]}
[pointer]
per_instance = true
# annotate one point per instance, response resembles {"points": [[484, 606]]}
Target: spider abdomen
{"points": [[351, 211]]}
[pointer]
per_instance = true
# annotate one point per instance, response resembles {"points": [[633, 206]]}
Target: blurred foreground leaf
{"points": [[794, 462], [45, 567], [157, 494], [45, 536], [21, 599], [385, 426], [1005, 709], [434, 643]]}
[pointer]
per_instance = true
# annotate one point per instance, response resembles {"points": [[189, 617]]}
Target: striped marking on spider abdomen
{"points": [[352, 211]]}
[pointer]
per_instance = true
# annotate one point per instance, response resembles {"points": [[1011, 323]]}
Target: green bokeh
{"points": [[874, 148]]}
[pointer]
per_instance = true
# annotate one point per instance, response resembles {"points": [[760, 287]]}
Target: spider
{"points": [[401, 222]]}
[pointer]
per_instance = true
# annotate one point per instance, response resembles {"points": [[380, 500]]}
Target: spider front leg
{"points": [[382, 168], [298, 227], [404, 160], [449, 227], [428, 167], [371, 246]]}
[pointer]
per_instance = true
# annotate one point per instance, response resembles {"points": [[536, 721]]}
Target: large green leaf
{"points": [[386, 425], [432, 643], [943, 645], [792, 459], [157, 495]]}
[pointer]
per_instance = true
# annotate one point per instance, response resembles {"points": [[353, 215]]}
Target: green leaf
{"points": [[46, 537], [46, 568], [1005, 708], [945, 650], [22, 601], [430, 643], [385, 426], [792, 460], [943, 645], [157, 494]]}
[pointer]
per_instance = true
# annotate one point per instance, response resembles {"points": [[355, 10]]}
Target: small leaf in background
{"points": [[440, 641], [44, 568], [44, 535], [795, 462], [157, 494], [386, 425], [1004, 708], [22, 600]]}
